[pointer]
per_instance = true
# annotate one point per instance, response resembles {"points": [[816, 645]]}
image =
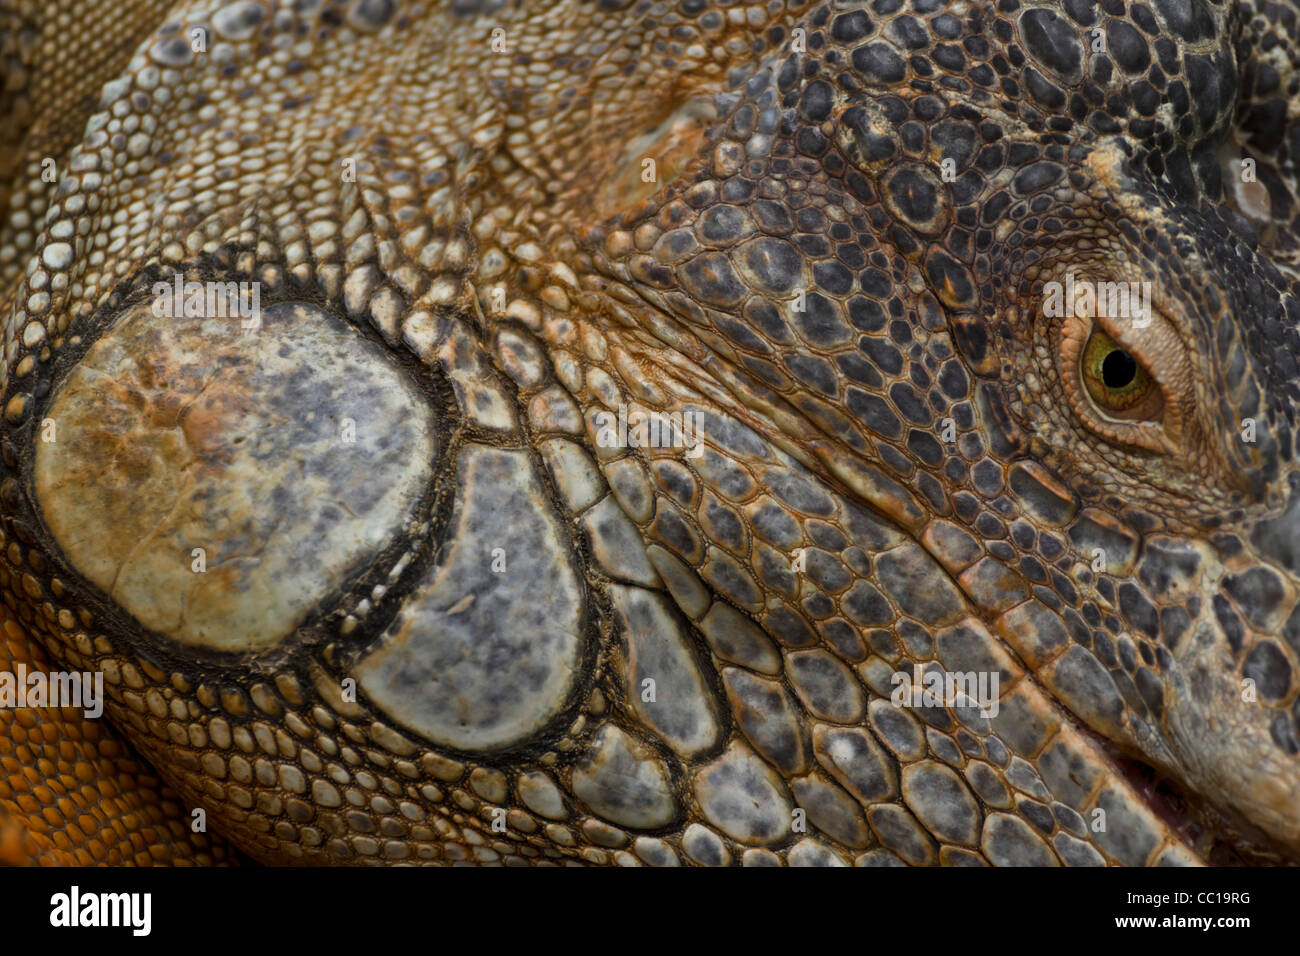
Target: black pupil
{"points": [[1118, 369]]}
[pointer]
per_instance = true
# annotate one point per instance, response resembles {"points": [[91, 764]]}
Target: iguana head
{"points": [[337, 350]]}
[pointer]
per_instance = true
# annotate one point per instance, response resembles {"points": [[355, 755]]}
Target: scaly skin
{"points": [[369, 584]]}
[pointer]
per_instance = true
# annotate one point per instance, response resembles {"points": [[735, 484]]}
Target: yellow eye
{"points": [[1115, 378]]}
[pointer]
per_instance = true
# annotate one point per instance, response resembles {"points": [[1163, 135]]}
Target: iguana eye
{"points": [[1116, 381], [1131, 385]]}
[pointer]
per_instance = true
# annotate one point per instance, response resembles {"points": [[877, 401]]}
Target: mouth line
{"points": [[1217, 836]]}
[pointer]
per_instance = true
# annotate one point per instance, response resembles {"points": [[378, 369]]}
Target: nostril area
{"points": [[216, 482]]}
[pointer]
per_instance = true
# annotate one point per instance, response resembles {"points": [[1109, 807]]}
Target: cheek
{"points": [[216, 483]]}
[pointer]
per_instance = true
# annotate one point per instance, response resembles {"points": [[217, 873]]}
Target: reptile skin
{"points": [[371, 582]]}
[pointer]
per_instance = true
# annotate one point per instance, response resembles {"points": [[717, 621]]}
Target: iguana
{"points": [[629, 432]]}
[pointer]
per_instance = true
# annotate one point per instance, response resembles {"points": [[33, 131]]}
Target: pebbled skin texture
{"points": [[838, 266]]}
